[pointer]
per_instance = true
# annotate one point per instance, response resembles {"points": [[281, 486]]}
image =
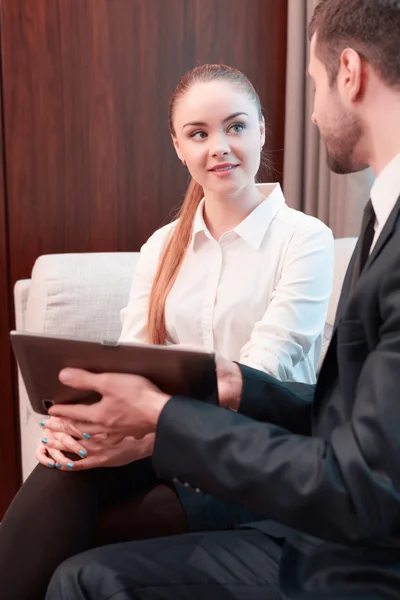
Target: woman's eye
{"points": [[237, 127], [200, 135]]}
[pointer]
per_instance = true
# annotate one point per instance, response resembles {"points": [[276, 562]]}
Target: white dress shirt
{"points": [[258, 295], [384, 195]]}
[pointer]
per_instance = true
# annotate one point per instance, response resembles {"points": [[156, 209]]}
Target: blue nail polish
{"points": [[42, 423], [70, 465], [51, 464], [58, 466], [82, 453], [86, 436], [44, 440]]}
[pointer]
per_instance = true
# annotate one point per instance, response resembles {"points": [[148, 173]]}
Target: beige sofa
{"points": [[81, 295]]}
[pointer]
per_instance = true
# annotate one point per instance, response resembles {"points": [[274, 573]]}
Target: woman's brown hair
{"points": [[174, 253]]}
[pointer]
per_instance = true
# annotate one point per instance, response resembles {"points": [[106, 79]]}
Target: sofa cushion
{"points": [[80, 295], [343, 250]]}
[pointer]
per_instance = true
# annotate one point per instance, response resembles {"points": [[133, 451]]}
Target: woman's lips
{"points": [[224, 170]]}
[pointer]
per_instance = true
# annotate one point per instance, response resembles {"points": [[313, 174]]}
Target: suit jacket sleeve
{"points": [[287, 404], [344, 488]]}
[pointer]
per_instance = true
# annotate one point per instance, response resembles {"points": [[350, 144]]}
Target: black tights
{"points": [[57, 514]]}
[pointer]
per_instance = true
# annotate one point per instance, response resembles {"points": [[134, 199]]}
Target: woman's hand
{"points": [[96, 450], [59, 436]]}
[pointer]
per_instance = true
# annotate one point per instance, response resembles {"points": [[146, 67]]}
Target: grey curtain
{"points": [[308, 184]]}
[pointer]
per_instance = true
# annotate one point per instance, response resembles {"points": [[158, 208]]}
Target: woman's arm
{"points": [[296, 314], [134, 315]]}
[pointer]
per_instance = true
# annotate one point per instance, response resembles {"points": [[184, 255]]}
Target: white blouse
{"points": [[258, 296]]}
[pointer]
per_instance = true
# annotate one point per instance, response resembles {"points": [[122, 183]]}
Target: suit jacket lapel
{"points": [[385, 235], [350, 275]]}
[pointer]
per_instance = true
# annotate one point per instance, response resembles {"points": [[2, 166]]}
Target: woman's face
{"points": [[219, 135]]}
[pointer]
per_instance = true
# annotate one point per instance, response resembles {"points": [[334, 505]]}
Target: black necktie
{"points": [[366, 238]]}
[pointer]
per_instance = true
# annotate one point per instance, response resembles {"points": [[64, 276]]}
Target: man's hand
{"points": [[230, 383], [130, 405]]}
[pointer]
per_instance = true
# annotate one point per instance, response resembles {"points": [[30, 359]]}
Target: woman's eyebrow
{"points": [[202, 124]]}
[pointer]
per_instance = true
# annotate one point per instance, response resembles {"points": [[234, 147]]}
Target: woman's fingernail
{"points": [[42, 423], [44, 440], [86, 436], [51, 463], [70, 465], [58, 466], [82, 453], [65, 375]]}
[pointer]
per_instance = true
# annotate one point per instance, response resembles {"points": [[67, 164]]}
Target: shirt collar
{"points": [[385, 191], [199, 223], [253, 228]]}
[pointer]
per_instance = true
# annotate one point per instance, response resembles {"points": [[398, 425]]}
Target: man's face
{"points": [[340, 127]]}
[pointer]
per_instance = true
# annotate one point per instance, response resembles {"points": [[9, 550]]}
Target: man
{"points": [[324, 468]]}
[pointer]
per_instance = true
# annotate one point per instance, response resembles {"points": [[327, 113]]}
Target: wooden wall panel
{"points": [[90, 165], [87, 85], [9, 434]]}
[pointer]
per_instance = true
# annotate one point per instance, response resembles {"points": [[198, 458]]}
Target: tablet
{"points": [[173, 369]]}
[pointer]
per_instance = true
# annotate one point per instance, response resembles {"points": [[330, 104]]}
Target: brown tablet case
{"points": [[173, 369]]}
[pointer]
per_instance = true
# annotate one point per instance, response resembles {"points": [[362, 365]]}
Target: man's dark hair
{"points": [[370, 27]]}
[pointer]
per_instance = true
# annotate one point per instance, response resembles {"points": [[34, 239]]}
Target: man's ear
{"points": [[351, 74], [177, 149]]}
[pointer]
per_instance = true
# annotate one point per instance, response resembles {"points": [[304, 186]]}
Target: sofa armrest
{"points": [[21, 292]]}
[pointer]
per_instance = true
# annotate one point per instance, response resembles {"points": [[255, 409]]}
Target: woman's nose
{"points": [[220, 147]]}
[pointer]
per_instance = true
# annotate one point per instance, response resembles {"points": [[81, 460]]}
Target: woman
{"points": [[239, 273]]}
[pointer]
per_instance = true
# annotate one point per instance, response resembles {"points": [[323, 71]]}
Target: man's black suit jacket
{"points": [[323, 461]]}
